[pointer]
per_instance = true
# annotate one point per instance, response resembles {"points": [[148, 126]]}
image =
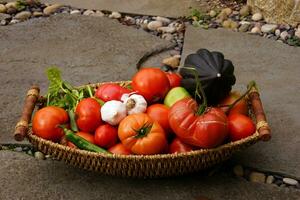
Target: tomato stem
{"points": [[144, 130]]}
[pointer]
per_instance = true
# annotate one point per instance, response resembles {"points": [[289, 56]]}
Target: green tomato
{"points": [[174, 95]]}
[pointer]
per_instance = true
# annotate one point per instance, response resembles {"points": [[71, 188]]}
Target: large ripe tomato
{"points": [[160, 113], [177, 146], [106, 136], [87, 136], [142, 135], [152, 83], [46, 120], [207, 130], [111, 91], [174, 79], [240, 126], [241, 107], [88, 116], [119, 149]]}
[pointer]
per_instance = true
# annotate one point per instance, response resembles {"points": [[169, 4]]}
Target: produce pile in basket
{"points": [[157, 113]]}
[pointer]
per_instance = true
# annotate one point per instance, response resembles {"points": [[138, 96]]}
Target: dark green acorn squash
{"points": [[215, 73]]}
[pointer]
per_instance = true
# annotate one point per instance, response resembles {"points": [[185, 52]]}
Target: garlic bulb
{"points": [[113, 112], [135, 103]]}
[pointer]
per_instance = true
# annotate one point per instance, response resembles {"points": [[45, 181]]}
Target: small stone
{"points": [[3, 22], [245, 10], [18, 149], [238, 170], [24, 15], [115, 15], [47, 156], [212, 13], [270, 179], [282, 185], [235, 12], [11, 5], [233, 25], [5, 148], [167, 36], [164, 20], [51, 9], [171, 61], [268, 28], [2, 8], [29, 152], [4, 16], [227, 11], [14, 21], [75, 12], [257, 177], [154, 25], [129, 20], [221, 17], [244, 27], [297, 32], [290, 181], [257, 17], [226, 24], [277, 32], [98, 13], [37, 14], [88, 12], [166, 29], [284, 35], [39, 155], [11, 11]]}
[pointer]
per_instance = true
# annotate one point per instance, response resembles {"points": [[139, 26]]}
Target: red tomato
{"points": [[46, 120], [151, 83], [87, 136], [111, 91], [88, 116], [241, 107], [174, 79], [177, 146], [106, 136], [142, 135], [206, 131], [159, 113], [240, 126], [119, 149]]}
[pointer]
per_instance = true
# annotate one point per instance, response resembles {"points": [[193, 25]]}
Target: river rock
{"points": [[257, 177], [284, 35], [75, 12], [4, 16], [270, 179], [221, 17], [98, 13], [244, 27], [39, 155], [257, 17], [52, 9], [297, 33], [11, 10], [245, 11], [24, 15], [171, 61], [290, 181], [166, 29], [167, 36], [267, 28], [227, 11], [256, 30], [2, 8], [164, 20], [115, 15], [154, 25], [37, 14], [11, 5], [212, 13], [277, 32], [88, 12]]}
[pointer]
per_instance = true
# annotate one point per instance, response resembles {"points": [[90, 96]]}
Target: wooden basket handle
{"points": [[262, 125], [30, 101]]}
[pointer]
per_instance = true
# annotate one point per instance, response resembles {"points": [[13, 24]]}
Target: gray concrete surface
{"points": [[168, 8], [23, 177], [87, 49], [275, 68]]}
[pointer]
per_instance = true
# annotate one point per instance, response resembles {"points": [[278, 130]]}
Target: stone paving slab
{"points": [[275, 68], [167, 8], [24, 177], [87, 49]]}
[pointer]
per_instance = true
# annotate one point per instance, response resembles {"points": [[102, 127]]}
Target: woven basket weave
{"points": [[145, 166]]}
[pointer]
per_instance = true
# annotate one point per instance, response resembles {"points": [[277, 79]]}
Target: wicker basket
{"points": [[145, 166]]}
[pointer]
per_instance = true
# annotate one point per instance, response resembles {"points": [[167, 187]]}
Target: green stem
{"points": [[144, 130], [90, 91], [73, 120]]}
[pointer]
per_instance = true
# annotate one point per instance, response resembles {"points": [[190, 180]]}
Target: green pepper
{"points": [[175, 94]]}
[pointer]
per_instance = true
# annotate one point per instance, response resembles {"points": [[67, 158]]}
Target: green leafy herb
{"points": [[294, 41]]}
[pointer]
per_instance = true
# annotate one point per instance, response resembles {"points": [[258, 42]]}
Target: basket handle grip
{"points": [[262, 125], [29, 104]]}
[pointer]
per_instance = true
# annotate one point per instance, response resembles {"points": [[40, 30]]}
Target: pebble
{"points": [[88, 12], [14, 21], [284, 35], [297, 33], [11, 5], [29, 152], [277, 32], [238, 170], [290, 181], [39, 155], [18, 149], [227, 11], [245, 11], [98, 13], [257, 17], [3, 22], [115, 15], [244, 27], [171, 61], [166, 29], [5, 148], [75, 12], [11, 10], [257, 177], [24, 15], [129, 20], [212, 13], [154, 25], [270, 179], [167, 36], [4, 16], [226, 24], [51, 9], [2, 8], [268, 28], [164, 20], [37, 14], [221, 17]]}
